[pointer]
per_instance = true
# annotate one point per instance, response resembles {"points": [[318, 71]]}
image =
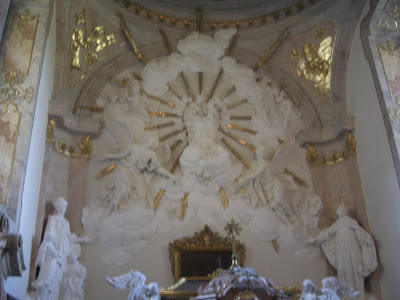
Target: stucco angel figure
{"points": [[137, 160], [53, 252], [332, 289], [279, 188], [134, 280], [349, 248]]}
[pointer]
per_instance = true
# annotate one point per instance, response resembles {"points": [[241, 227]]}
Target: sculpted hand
{"points": [[313, 241]]}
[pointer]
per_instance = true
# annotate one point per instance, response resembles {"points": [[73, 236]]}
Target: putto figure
{"points": [[134, 280], [332, 289], [349, 248]]}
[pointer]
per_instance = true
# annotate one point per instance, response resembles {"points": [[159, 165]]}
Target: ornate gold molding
{"points": [[85, 145], [206, 240], [295, 291], [313, 158], [214, 25]]}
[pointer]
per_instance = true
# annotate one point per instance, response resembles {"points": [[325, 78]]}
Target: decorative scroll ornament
{"points": [[85, 145], [315, 64], [390, 18], [94, 42], [272, 17], [313, 158], [12, 91]]}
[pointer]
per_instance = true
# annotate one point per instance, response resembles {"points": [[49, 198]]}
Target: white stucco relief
{"points": [[273, 195]]}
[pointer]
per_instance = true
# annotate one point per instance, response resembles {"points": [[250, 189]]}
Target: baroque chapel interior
{"points": [[162, 136]]}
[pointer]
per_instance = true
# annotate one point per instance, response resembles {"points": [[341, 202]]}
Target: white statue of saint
{"points": [[53, 252], [139, 162], [349, 248], [75, 273], [332, 289], [135, 281]]}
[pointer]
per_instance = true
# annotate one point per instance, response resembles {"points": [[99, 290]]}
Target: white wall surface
{"points": [[378, 176], [17, 286]]}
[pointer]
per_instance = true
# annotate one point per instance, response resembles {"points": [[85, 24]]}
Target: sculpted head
{"points": [[60, 205], [342, 211]]}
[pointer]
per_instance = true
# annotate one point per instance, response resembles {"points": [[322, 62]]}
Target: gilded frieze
{"points": [[314, 158], [314, 61], [84, 146], [192, 24]]}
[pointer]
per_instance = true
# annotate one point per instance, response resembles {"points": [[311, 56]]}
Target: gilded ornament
{"points": [[390, 18], [183, 207], [295, 291], [314, 64], [313, 158], [284, 35], [130, 39], [94, 42], [223, 198], [105, 171], [213, 25], [389, 47], [13, 91], [85, 145]]}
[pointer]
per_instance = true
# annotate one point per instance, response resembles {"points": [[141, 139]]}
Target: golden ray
{"points": [[223, 198], [275, 245], [241, 128], [227, 93], [242, 188], [165, 40], [200, 82], [171, 134], [186, 83], [162, 114], [174, 90], [183, 207], [175, 145], [93, 108], [272, 49], [296, 178], [239, 140], [157, 199], [232, 44], [240, 102], [166, 102], [215, 84], [130, 39], [159, 126], [105, 171], [136, 76], [199, 20], [236, 153], [243, 118]]}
